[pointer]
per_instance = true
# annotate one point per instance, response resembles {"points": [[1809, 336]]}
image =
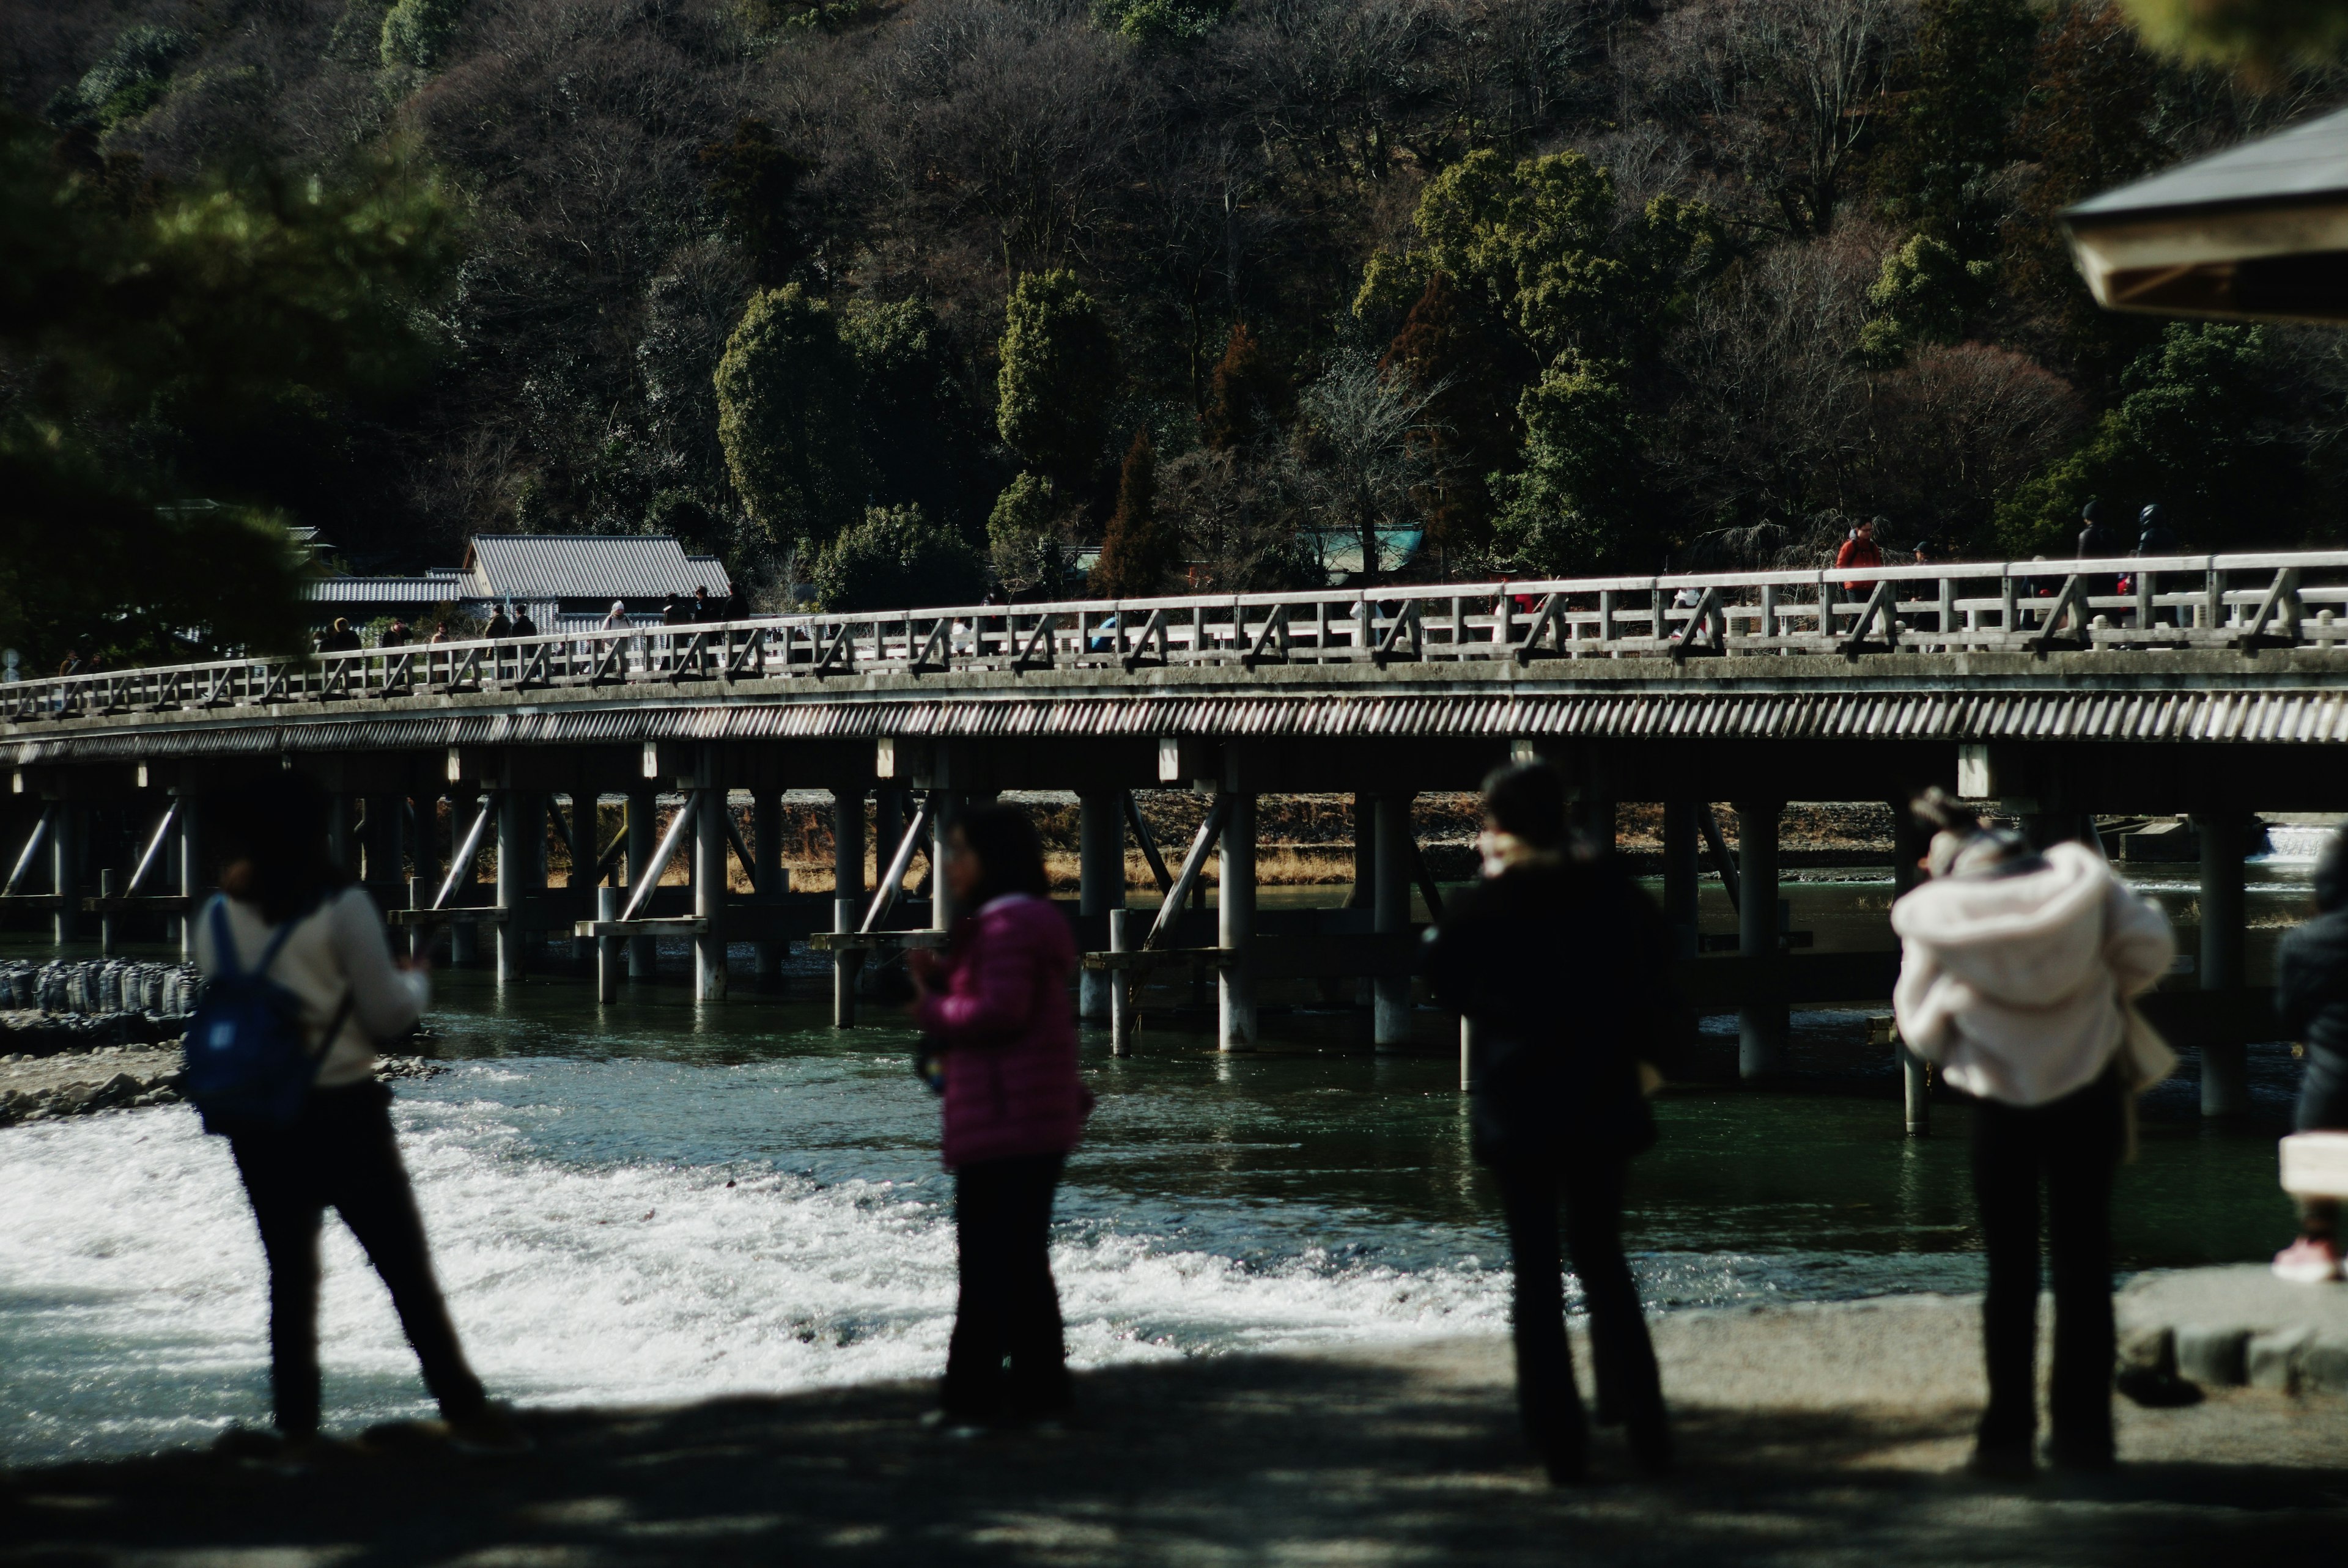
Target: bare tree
{"points": [[1366, 449]]}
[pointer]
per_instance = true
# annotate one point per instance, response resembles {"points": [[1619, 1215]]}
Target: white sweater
{"points": [[2013, 983], [338, 949]]}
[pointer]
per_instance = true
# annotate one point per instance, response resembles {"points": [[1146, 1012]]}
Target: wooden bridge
{"points": [[2214, 686]]}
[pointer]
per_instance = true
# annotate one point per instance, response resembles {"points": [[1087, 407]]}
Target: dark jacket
{"points": [[2311, 966], [1566, 971]]}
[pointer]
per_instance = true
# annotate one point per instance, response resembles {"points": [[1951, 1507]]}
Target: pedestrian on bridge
{"points": [[2016, 975], [995, 1010], [2312, 999], [1861, 550], [1562, 966]]}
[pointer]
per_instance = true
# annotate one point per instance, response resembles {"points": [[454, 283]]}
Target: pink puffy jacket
{"points": [[1001, 1010]]}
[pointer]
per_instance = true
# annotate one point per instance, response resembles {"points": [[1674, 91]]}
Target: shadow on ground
{"points": [[1405, 1457]]}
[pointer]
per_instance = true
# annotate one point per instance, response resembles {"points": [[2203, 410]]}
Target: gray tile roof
{"points": [[588, 566], [383, 590], [2306, 163]]}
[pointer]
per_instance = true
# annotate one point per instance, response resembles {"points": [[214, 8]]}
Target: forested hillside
{"points": [[1572, 283]]}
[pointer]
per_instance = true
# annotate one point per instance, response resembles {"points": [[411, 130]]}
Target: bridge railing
{"points": [[2244, 602]]}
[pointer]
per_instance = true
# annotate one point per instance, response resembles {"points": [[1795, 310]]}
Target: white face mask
{"points": [[1499, 850]]}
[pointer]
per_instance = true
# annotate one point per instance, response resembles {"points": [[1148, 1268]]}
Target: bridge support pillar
{"points": [[1127, 930], [847, 897], [944, 909], [190, 871], [1761, 1021], [768, 878], [514, 859], [1390, 914], [2225, 1068], [709, 849], [644, 837], [384, 846], [1100, 865], [609, 902], [65, 864], [1680, 880], [583, 881], [1235, 927], [464, 936]]}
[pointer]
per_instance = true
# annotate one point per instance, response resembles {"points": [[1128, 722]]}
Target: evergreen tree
{"points": [[1951, 135], [2199, 430], [156, 345], [1137, 555], [1249, 399], [1572, 508], [923, 436], [1059, 371], [1023, 536], [788, 417]]}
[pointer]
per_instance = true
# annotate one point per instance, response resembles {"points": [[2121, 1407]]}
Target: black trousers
{"points": [[2070, 1148], [342, 1153], [1629, 1388], [1009, 1307]]}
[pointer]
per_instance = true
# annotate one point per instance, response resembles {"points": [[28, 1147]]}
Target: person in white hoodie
{"points": [[2017, 971]]}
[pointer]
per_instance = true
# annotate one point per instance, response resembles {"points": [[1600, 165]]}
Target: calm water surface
{"points": [[651, 1202]]}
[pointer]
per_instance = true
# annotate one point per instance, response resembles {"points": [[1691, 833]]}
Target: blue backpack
{"points": [[249, 1061]]}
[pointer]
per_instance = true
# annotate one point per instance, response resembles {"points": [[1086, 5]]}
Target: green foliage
{"points": [[150, 347], [1159, 21], [1951, 137], [1924, 294], [788, 417], [896, 558], [132, 78], [1250, 396], [1059, 371], [1571, 509], [415, 32], [1544, 244], [2269, 36], [923, 435], [689, 517], [752, 179], [2195, 431], [1139, 553], [1022, 534]]}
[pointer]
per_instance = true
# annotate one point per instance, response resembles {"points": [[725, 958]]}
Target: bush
{"points": [[896, 558]]}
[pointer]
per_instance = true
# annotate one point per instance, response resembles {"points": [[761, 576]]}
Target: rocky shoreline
{"points": [[47, 1085]]}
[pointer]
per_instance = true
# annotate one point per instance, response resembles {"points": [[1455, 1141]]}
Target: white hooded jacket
{"points": [[2014, 983]]}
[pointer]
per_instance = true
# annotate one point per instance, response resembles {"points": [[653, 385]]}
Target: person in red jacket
{"points": [[1860, 551], [995, 1011]]}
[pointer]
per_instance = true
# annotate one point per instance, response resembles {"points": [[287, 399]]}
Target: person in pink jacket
{"points": [[996, 1009]]}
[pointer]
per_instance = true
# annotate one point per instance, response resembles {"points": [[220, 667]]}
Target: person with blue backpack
{"points": [[281, 1061]]}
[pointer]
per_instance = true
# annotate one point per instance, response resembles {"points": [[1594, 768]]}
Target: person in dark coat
{"points": [[523, 626], [2311, 998], [1562, 966], [498, 625], [2096, 542], [2154, 537]]}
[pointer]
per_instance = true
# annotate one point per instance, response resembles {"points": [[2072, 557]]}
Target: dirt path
{"points": [[1811, 1435]]}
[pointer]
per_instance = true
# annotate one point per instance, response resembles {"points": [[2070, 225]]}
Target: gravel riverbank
{"points": [[1814, 1434]]}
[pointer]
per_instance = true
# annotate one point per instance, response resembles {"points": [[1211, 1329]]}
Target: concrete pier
{"points": [[1235, 1004], [1100, 864], [643, 839], [1390, 915], [709, 853], [1760, 1023], [1680, 875], [768, 878], [513, 869], [2225, 839], [464, 936], [190, 876], [848, 897], [64, 871]]}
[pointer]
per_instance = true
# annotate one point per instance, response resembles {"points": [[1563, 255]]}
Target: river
{"points": [[651, 1202]]}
